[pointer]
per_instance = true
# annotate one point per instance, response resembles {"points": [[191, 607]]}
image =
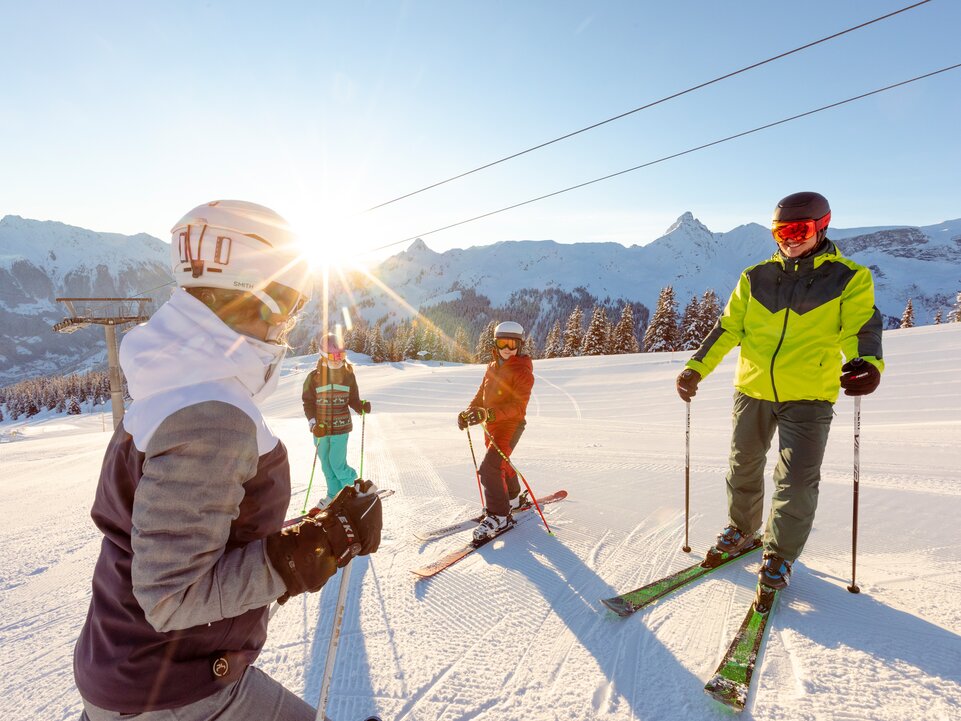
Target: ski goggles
{"points": [[278, 302], [798, 231], [503, 343], [334, 355]]}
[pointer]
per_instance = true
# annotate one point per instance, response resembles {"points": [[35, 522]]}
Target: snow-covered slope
{"points": [[516, 631]]}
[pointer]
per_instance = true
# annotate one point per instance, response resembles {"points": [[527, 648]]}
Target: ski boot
{"points": [[775, 572], [521, 502], [490, 527], [730, 542]]}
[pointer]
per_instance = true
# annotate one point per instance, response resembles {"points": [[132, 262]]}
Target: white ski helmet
{"points": [[236, 245], [509, 329], [332, 343]]}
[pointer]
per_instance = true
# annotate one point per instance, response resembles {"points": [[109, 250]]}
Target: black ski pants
{"points": [[498, 478]]}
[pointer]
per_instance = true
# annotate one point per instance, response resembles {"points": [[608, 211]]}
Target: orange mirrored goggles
{"points": [[334, 355], [798, 231], [503, 343]]}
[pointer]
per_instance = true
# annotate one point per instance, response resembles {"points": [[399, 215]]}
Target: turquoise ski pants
{"points": [[332, 452], [802, 428]]}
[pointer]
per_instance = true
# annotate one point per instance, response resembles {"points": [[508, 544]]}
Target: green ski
{"points": [[628, 603], [732, 680]]}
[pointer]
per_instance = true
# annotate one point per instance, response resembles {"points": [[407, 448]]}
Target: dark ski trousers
{"points": [[498, 478], [802, 428]]}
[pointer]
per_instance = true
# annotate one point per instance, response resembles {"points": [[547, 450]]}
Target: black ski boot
{"points": [[731, 542], [775, 572]]}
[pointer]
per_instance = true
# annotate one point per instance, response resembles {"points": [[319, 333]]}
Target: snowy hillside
{"points": [[515, 632], [41, 261]]}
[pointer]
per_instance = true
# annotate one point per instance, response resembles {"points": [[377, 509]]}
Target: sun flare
{"points": [[332, 242]]}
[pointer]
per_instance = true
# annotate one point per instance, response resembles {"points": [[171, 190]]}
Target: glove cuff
{"points": [[343, 539]]}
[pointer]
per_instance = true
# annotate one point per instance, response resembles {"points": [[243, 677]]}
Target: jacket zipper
{"points": [[780, 342]]}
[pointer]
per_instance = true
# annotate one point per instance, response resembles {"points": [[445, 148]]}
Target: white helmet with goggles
{"points": [[241, 246], [332, 347], [509, 329]]}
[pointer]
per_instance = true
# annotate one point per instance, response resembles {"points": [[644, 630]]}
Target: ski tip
{"points": [[726, 692], [619, 606]]}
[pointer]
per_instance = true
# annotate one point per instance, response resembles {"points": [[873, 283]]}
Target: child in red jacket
{"points": [[501, 403]]}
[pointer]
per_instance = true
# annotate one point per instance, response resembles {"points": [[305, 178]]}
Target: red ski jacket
{"points": [[506, 389]]}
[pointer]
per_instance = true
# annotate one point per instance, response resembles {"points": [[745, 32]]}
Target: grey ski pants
{"points": [[802, 428], [255, 697]]}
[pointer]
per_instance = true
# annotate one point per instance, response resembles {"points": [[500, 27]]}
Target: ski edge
{"points": [[623, 607]]}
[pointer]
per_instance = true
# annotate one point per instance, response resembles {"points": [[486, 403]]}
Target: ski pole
{"points": [[310, 483], [336, 629], [476, 470], [853, 588], [687, 477], [363, 427], [519, 475], [334, 641]]}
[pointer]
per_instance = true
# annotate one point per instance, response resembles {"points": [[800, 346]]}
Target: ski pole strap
{"points": [[519, 475]]}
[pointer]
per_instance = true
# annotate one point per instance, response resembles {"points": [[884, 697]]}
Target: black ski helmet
{"points": [[805, 205]]}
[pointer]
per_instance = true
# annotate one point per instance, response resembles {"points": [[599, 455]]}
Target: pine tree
{"points": [[460, 352], [690, 328], [574, 333], [530, 346], [313, 347], [485, 343], [552, 346], [411, 345], [358, 338], [937, 317], [73, 408], [624, 335], [661, 334], [596, 338], [709, 313], [907, 318], [955, 315], [375, 344]]}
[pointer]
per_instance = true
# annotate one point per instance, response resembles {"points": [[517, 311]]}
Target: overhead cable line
{"points": [[651, 104], [669, 157]]}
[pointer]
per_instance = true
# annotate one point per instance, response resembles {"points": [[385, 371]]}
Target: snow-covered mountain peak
{"points": [[688, 223], [419, 247]]}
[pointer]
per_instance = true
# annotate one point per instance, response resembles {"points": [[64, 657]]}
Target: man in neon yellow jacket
{"points": [[794, 316]]}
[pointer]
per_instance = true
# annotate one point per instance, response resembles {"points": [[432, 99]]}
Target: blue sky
{"points": [[121, 116]]}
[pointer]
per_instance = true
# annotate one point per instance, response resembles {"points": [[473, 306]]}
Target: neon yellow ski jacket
{"points": [[794, 319]]}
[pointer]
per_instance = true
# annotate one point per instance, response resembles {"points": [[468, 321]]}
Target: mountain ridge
{"points": [[43, 260]]}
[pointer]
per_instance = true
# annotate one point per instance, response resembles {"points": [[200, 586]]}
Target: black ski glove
{"points": [[365, 406], [474, 415], [308, 552], [858, 377], [687, 384]]}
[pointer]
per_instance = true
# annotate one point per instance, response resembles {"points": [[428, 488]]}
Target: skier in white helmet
{"points": [[194, 488], [501, 403]]}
